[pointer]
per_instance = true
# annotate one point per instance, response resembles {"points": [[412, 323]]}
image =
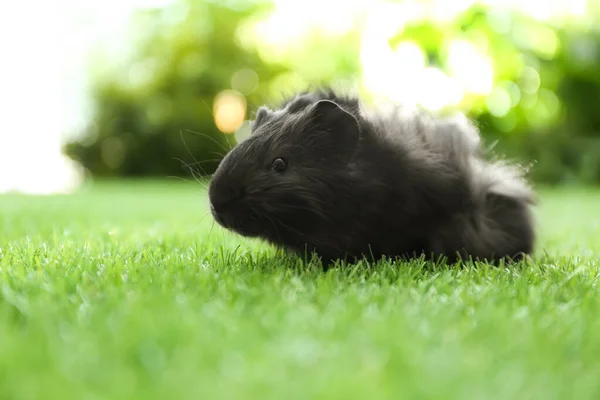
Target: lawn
{"points": [[127, 291]]}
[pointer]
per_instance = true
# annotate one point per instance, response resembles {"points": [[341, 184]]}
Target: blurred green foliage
{"points": [[153, 115], [543, 109], [556, 67]]}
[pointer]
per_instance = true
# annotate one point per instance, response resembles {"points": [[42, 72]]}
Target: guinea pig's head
{"points": [[285, 178]]}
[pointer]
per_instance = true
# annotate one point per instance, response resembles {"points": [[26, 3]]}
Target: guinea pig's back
{"points": [[490, 215], [499, 221]]}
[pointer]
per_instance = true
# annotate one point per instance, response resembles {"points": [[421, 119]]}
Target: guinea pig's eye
{"points": [[279, 165]]}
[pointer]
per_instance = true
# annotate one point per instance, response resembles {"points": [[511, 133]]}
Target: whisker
{"points": [[203, 217], [197, 163], [212, 139], [205, 161], [186, 146], [213, 115], [193, 172], [211, 228], [181, 179], [218, 154], [199, 223]]}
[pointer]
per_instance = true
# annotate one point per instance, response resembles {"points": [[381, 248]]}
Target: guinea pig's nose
{"points": [[224, 202]]}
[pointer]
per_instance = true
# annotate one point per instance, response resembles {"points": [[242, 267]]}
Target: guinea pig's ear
{"points": [[337, 128], [261, 117]]}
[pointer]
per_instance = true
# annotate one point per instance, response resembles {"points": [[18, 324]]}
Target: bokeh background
{"points": [[163, 88]]}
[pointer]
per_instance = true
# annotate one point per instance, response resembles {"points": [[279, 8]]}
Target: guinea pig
{"points": [[322, 174]]}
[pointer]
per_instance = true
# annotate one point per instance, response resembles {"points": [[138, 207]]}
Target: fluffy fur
{"points": [[363, 183]]}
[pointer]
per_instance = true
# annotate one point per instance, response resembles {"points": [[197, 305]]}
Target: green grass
{"points": [[123, 291]]}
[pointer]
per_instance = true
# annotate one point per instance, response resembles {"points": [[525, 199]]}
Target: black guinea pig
{"points": [[322, 174]]}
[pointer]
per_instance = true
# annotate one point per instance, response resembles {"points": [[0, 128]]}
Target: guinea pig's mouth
{"points": [[243, 222]]}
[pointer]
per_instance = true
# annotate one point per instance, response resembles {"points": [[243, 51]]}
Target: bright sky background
{"points": [[43, 84], [42, 76]]}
